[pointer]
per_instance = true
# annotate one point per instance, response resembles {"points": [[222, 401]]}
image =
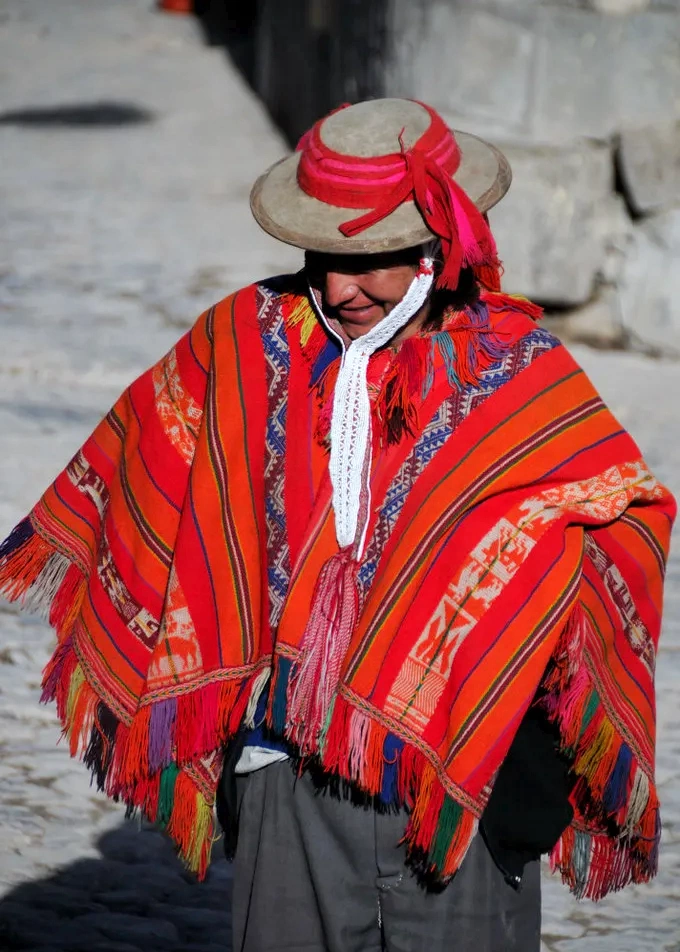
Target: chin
{"points": [[356, 325], [358, 330]]}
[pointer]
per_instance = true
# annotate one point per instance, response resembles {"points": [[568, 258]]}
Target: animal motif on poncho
{"points": [[516, 547]]}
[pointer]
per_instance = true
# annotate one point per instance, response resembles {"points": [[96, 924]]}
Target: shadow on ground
{"points": [[136, 896], [104, 113]]}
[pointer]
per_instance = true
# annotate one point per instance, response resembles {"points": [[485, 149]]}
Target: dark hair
{"points": [[443, 300]]}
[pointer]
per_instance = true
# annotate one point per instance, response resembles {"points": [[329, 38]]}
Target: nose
{"points": [[339, 288]]}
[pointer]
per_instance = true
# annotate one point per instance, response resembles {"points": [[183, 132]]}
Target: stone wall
{"points": [[583, 96]]}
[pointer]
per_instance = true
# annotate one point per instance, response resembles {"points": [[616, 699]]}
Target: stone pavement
{"points": [[128, 149]]}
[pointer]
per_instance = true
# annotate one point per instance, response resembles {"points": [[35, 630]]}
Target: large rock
{"points": [[474, 66], [598, 323], [594, 72], [553, 227], [650, 286], [544, 73], [649, 163]]}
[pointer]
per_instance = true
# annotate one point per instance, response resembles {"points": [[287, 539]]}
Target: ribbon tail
{"points": [[397, 196]]}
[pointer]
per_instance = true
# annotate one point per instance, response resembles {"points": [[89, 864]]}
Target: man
{"points": [[367, 546]]}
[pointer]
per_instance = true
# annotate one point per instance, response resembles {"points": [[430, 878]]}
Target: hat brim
{"points": [[284, 211]]}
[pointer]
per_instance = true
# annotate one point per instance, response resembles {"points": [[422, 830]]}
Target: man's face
{"points": [[360, 290]]}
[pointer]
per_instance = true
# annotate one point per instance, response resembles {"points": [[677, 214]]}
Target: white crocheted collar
{"points": [[350, 436]]}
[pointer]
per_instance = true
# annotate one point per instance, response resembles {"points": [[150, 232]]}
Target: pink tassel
{"points": [[332, 619], [472, 253]]}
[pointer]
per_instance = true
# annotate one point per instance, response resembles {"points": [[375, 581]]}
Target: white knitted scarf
{"points": [[351, 415]]}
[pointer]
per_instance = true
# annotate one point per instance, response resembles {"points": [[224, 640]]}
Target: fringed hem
{"points": [[357, 748], [440, 828], [155, 762], [497, 302], [593, 865], [40, 578], [614, 838]]}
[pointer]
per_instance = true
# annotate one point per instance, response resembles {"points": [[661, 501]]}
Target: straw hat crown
{"points": [[373, 129]]}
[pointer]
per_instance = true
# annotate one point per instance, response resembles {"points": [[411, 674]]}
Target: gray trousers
{"points": [[320, 874]]}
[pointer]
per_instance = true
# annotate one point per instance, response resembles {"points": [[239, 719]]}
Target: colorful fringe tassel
{"points": [[360, 750], [148, 760], [614, 837]]}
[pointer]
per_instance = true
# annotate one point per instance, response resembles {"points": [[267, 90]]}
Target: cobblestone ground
{"points": [[128, 149]]}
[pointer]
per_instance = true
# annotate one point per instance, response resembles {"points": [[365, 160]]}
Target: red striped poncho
{"points": [[516, 545]]}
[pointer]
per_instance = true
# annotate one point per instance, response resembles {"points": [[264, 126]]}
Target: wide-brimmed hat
{"points": [[291, 203]]}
